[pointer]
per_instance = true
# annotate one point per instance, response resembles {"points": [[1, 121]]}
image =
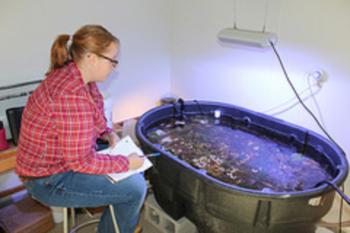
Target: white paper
{"points": [[125, 147]]}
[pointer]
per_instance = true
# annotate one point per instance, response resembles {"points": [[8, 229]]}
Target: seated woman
{"points": [[64, 116]]}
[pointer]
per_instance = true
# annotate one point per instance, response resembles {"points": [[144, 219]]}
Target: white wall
{"points": [[28, 28], [311, 35]]}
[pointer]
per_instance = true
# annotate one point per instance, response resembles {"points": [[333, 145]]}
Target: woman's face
{"points": [[105, 63]]}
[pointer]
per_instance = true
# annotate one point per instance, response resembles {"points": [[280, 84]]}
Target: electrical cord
{"points": [[312, 94], [290, 100], [339, 225], [274, 111], [340, 192], [301, 101], [292, 105], [199, 106], [288, 108], [343, 196]]}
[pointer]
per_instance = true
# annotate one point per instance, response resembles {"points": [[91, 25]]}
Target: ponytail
{"points": [[91, 38], [59, 53]]}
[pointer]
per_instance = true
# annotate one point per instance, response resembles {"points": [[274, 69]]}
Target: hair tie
{"points": [[70, 41]]}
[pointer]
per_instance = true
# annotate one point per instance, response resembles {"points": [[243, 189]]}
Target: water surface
{"points": [[236, 156]]}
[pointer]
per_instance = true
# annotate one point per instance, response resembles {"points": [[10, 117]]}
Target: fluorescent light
{"points": [[247, 37]]}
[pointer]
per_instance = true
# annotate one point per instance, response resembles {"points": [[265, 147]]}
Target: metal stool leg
{"points": [[65, 220], [84, 224], [116, 228], [79, 226], [72, 216]]}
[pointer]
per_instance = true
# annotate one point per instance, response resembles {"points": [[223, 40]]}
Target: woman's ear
{"points": [[91, 57], [88, 56]]}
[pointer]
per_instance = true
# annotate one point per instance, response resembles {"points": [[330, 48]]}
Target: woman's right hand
{"points": [[135, 161]]}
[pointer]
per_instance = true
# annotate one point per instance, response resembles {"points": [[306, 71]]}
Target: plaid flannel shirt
{"points": [[59, 127]]}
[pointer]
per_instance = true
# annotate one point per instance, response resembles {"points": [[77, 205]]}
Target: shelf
{"points": [[8, 159]]}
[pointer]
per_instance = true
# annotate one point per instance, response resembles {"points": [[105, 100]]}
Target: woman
{"points": [[63, 118]]}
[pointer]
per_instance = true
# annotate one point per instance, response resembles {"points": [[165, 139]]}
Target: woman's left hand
{"points": [[112, 138]]}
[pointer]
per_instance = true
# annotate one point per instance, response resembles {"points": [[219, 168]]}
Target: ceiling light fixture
{"points": [[252, 38], [260, 39]]}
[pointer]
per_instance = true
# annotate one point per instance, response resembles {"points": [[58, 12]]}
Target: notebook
{"points": [[125, 147]]}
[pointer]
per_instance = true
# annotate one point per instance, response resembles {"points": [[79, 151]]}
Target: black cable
{"points": [[341, 211], [19, 85], [335, 187], [182, 108], [343, 196], [301, 101], [174, 113], [199, 106], [306, 140]]}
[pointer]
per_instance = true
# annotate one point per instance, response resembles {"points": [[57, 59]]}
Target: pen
{"points": [[151, 155], [110, 179]]}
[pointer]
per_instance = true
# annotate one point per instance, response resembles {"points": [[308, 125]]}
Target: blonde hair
{"points": [[89, 38]]}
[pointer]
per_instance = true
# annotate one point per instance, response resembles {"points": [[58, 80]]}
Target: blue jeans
{"points": [[73, 189]]}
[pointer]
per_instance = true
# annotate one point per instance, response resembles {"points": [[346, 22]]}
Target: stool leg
{"points": [[116, 228], [72, 216], [65, 220]]}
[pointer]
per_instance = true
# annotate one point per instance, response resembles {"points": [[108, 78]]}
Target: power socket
{"points": [[320, 76]]}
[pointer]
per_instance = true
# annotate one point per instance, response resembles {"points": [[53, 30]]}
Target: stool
{"points": [[75, 227]]}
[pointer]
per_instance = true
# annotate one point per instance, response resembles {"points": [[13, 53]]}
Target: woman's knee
{"points": [[138, 187]]}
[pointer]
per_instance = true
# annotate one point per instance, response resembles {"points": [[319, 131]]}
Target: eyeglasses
{"points": [[114, 62]]}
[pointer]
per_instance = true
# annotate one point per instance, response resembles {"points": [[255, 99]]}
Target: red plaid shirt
{"points": [[60, 125]]}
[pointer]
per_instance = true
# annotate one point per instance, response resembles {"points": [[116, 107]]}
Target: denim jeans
{"points": [[73, 189]]}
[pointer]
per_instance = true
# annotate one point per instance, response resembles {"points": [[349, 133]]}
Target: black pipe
{"points": [[335, 187], [20, 85], [182, 108]]}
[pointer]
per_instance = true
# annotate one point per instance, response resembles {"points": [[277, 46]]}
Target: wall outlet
{"points": [[320, 77]]}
